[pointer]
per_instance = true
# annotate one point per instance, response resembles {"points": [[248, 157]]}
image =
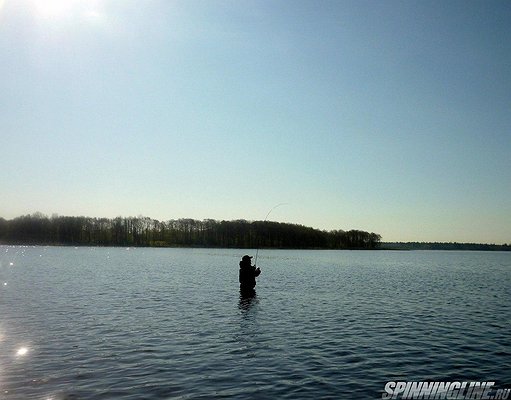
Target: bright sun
{"points": [[57, 8], [69, 10]]}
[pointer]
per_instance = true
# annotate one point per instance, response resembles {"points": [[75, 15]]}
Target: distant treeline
{"points": [[142, 231], [445, 246]]}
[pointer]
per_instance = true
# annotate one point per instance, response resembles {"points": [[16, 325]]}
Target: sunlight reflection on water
{"points": [[22, 351]]}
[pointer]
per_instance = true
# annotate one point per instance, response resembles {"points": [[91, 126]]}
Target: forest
{"points": [[445, 246], [39, 229]]}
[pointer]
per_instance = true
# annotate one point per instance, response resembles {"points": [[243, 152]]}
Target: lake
{"points": [[142, 323]]}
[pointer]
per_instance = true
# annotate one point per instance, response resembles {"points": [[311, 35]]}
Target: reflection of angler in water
{"points": [[248, 298], [248, 273]]}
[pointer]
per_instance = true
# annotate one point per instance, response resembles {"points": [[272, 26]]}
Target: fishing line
{"points": [[265, 219]]}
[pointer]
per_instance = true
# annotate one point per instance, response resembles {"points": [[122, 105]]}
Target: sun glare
{"points": [[54, 8], [65, 9]]}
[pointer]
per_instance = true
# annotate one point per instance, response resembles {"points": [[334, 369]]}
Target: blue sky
{"points": [[387, 116]]}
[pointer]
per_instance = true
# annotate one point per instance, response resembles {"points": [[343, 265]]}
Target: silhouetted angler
{"points": [[248, 273]]}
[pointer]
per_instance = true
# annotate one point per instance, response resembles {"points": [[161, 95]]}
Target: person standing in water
{"points": [[248, 273]]}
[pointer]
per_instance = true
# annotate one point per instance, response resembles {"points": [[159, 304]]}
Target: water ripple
{"points": [[158, 324]]}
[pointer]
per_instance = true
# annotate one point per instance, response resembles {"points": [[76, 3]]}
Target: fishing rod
{"points": [[265, 219]]}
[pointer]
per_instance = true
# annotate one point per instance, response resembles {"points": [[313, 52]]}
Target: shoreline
{"points": [[405, 246]]}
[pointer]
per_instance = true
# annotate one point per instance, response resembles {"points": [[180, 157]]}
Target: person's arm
{"points": [[257, 271]]}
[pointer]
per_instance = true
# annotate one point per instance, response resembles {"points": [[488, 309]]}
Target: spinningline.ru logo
{"points": [[444, 390]]}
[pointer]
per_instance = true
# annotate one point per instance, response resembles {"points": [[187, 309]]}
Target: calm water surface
{"points": [[110, 323]]}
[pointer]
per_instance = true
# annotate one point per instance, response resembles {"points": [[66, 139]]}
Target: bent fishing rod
{"points": [[265, 219]]}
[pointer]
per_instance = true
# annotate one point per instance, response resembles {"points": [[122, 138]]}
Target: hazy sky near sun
{"points": [[387, 116]]}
